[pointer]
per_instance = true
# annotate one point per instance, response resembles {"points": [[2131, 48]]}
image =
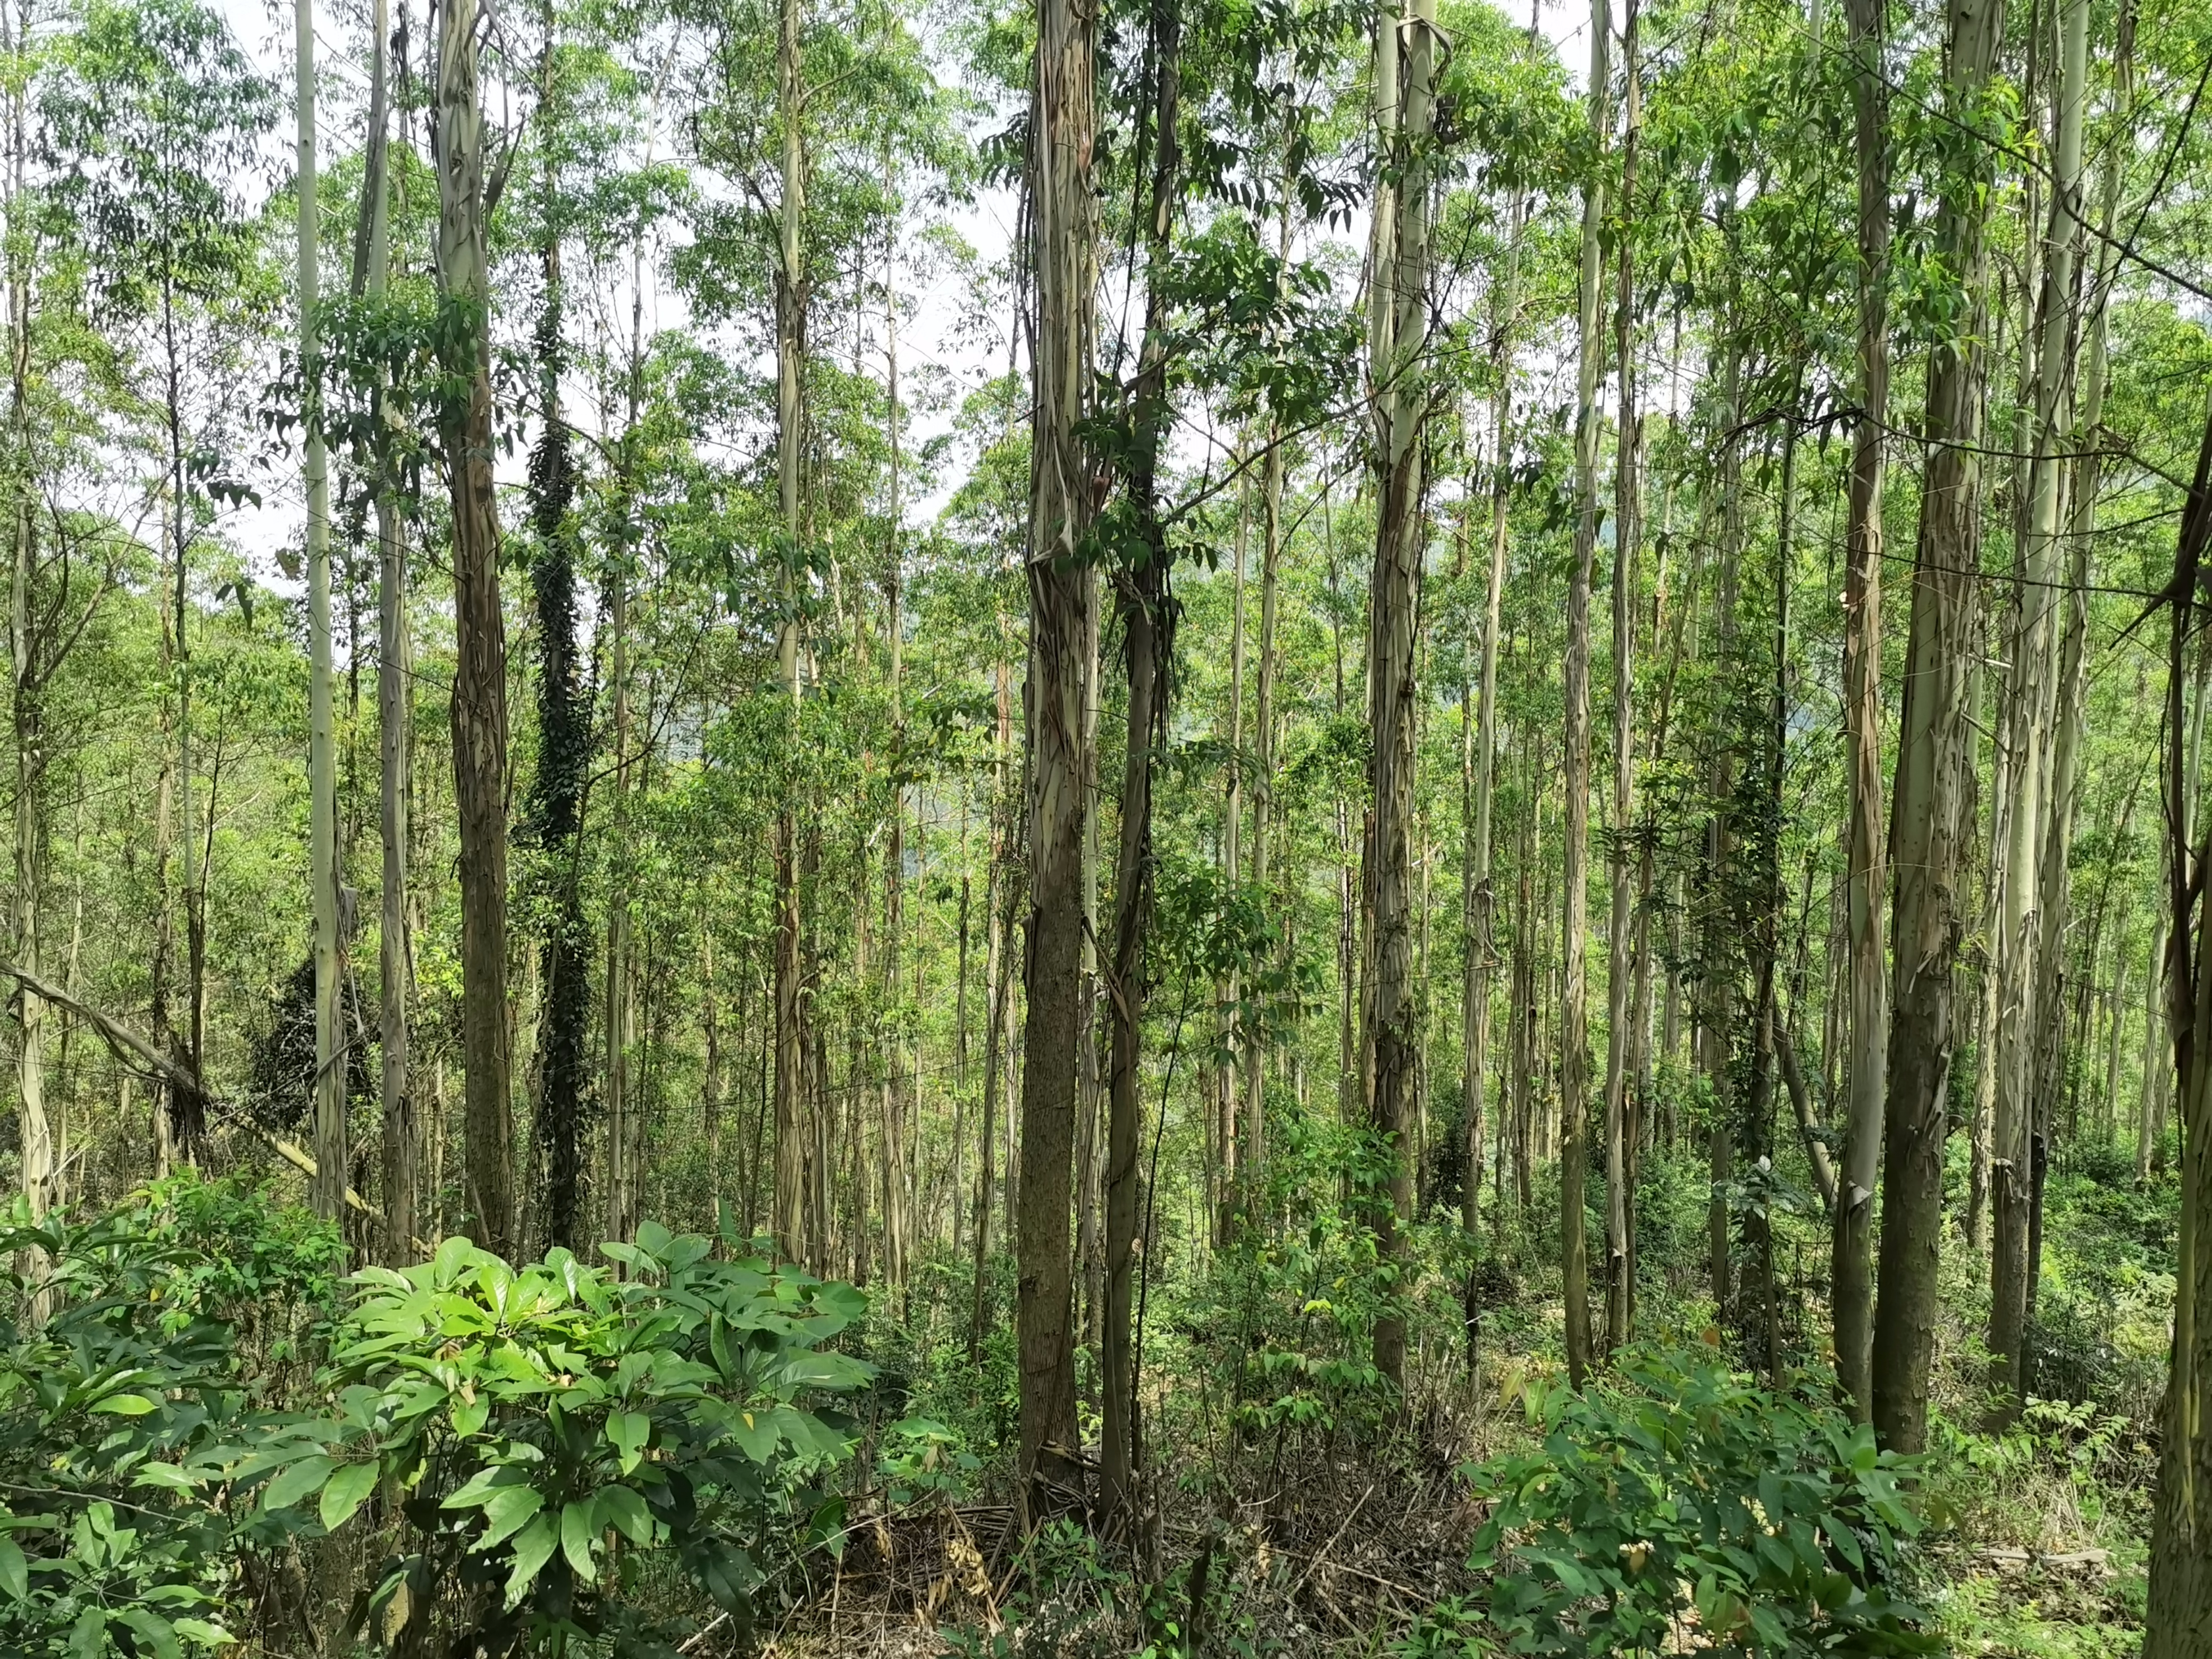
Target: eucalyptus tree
{"points": [[1063, 256], [1932, 808], [329, 1183], [1399, 379], [1574, 1014], [480, 697], [1865, 849]]}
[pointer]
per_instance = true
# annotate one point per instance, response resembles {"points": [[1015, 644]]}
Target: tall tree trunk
{"points": [[480, 697], [998, 901], [1063, 218], [896, 1198], [619, 972], [794, 1222], [1227, 990], [2177, 1621], [1147, 622], [1398, 366], [1574, 1004], [2044, 752], [1620, 1128], [328, 1190], [1852, 1257], [395, 709], [1931, 813], [40, 1166]]}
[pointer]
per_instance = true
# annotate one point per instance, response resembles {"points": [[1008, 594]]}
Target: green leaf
{"points": [[157, 1632], [532, 1550], [14, 1571], [622, 1509], [207, 1635], [347, 1490], [296, 1481], [123, 1405], [168, 1476], [88, 1636], [471, 1415], [576, 1531], [505, 1515], [754, 1432], [629, 1431]]}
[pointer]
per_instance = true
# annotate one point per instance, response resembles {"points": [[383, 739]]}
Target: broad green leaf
{"points": [[207, 1635], [296, 1481], [88, 1636], [577, 1530], [470, 1416], [628, 1432], [532, 1550], [347, 1490], [509, 1508], [755, 1434], [123, 1405], [167, 1476], [14, 1571], [154, 1632], [622, 1509]]}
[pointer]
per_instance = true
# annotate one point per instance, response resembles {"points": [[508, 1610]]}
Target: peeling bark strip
{"points": [[479, 704], [1399, 372], [1063, 215]]}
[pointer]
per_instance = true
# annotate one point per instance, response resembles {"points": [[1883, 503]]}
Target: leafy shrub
{"points": [[161, 1311], [539, 1429], [1676, 1497]]}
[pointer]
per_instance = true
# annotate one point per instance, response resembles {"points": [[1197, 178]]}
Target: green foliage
{"points": [[537, 1429], [1680, 1497], [164, 1313]]}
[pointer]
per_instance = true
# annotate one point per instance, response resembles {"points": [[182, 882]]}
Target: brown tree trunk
{"points": [[1853, 1255], [1620, 1105], [1931, 819], [1573, 1003], [479, 697], [1063, 217], [2177, 1622], [1398, 369]]}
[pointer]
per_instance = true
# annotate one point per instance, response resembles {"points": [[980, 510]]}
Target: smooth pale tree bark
{"points": [[896, 1198], [793, 1221], [1574, 1002], [618, 1012], [1851, 1263], [1398, 367], [395, 712], [1252, 1169], [479, 697], [999, 899], [2178, 1620], [328, 1190], [1932, 804], [40, 1164], [2045, 752], [1226, 1168], [1620, 1125], [1064, 223]]}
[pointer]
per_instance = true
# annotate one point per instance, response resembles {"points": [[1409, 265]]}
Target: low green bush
{"points": [[1673, 1506]]}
